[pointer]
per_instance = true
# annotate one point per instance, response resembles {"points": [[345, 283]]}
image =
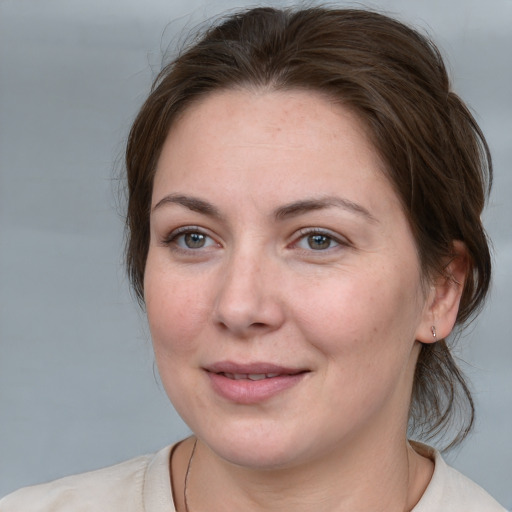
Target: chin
{"points": [[261, 449], [255, 457]]}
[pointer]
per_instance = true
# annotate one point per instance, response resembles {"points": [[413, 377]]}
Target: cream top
{"points": [[143, 484]]}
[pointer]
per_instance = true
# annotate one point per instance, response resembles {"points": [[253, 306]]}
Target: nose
{"points": [[248, 302]]}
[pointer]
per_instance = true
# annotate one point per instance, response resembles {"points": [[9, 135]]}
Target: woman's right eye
{"points": [[189, 239], [192, 240]]}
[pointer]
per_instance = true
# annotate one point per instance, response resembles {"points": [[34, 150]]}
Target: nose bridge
{"points": [[247, 298]]}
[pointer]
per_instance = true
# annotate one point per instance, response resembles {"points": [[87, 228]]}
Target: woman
{"points": [[304, 232]]}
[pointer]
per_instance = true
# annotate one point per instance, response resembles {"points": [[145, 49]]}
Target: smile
{"points": [[253, 383]]}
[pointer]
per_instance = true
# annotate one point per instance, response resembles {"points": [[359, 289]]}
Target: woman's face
{"points": [[282, 284]]}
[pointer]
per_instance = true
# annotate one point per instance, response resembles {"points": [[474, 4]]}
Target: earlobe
{"points": [[443, 301]]}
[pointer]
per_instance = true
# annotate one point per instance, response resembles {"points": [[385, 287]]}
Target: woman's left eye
{"points": [[317, 241]]}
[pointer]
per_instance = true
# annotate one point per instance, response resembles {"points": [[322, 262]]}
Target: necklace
{"points": [[189, 465], [187, 473]]}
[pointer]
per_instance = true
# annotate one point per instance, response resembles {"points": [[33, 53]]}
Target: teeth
{"points": [[251, 376], [257, 376]]}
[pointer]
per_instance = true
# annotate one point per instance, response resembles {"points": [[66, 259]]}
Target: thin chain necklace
{"points": [[187, 473]]}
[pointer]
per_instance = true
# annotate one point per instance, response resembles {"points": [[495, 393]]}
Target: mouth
{"points": [[252, 383], [252, 371]]}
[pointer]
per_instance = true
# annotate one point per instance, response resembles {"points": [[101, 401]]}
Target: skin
{"points": [[248, 282]]}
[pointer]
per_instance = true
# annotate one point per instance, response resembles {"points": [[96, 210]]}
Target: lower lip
{"points": [[245, 391]]}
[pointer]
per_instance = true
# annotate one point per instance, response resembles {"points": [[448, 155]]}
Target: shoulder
{"points": [[119, 487], [451, 491]]}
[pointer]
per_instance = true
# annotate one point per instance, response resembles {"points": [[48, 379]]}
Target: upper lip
{"points": [[256, 368]]}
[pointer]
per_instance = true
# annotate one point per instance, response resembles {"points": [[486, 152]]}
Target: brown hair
{"points": [[395, 80]]}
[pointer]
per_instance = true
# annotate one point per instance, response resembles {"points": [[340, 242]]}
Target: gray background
{"points": [[77, 381]]}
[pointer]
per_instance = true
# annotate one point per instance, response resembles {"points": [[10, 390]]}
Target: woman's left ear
{"points": [[442, 304]]}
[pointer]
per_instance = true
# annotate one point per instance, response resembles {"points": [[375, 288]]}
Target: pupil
{"points": [[317, 242], [194, 240]]}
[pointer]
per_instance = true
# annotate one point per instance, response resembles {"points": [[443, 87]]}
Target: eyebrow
{"points": [[192, 203], [307, 205], [282, 213]]}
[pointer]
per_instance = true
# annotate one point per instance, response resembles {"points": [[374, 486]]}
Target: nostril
{"points": [[258, 325]]}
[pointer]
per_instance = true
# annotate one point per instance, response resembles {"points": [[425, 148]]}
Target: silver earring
{"points": [[434, 333]]}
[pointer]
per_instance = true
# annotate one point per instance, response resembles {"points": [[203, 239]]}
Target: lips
{"points": [[252, 383]]}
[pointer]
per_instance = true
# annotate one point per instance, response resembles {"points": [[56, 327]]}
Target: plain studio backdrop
{"points": [[78, 388]]}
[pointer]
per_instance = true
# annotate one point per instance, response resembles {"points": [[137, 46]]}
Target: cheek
{"points": [[362, 313], [365, 329], [176, 311]]}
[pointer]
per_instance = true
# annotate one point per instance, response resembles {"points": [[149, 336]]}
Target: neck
{"points": [[395, 477]]}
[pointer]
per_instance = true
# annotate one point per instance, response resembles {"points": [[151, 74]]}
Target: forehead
{"points": [[275, 128], [265, 114]]}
